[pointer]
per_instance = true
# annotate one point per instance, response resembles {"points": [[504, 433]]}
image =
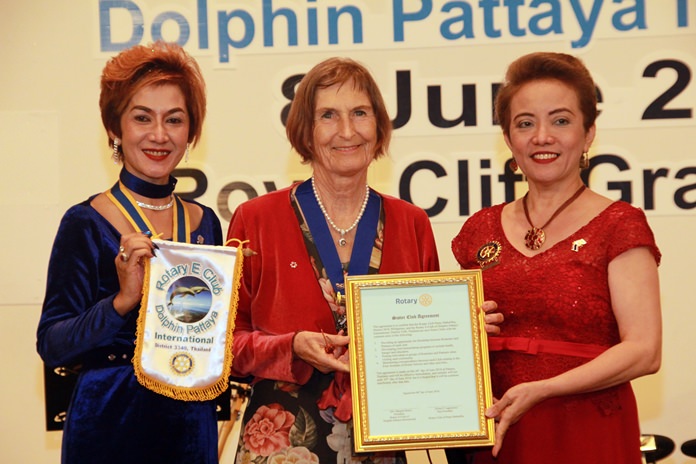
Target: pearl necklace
{"points": [[156, 207], [342, 241]]}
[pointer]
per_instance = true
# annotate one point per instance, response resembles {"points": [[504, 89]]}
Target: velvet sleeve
{"points": [[78, 313], [258, 353], [209, 226]]}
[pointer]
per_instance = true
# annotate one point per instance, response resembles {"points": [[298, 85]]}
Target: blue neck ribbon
{"points": [[124, 201], [364, 236]]}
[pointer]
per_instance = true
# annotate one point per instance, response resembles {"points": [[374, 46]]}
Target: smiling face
{"points": [[547, 136], [155, 129], [345, 131]]}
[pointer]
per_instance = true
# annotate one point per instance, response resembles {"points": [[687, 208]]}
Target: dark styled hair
{"points": [[159, 63], [547, 66], [300, 123]]}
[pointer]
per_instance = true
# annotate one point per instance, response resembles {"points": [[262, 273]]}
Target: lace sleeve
{"points": [[631, 230]]}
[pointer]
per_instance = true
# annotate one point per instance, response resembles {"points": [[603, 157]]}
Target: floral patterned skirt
{"points": [[283, 425]]}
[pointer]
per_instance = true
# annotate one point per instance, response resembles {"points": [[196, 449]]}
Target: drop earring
{"points": [[585, 161], [186, 155], [513, 165], [116, 155]]}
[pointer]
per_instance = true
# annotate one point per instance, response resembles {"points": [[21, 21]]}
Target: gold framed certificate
{"points": [[420, 374]]}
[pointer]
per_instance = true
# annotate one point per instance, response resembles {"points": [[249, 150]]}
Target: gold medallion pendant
{"points": [[535, 238]]}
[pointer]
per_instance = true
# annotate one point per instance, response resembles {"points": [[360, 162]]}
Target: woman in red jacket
{"points": [[291, 309]]}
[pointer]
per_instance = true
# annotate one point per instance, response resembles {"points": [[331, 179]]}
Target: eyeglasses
{"points": [[333, 117]]}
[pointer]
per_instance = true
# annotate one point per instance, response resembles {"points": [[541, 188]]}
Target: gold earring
{"points": [[116, 155], [585, 161], [188, 146]]}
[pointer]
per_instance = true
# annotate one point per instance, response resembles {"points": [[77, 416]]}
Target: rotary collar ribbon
{"points": [[124, 201]]}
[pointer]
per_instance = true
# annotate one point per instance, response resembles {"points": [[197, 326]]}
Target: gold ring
{"points": [[124, 257]]}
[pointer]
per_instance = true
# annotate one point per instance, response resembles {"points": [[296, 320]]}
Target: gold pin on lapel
{"points": [[578, 244]]}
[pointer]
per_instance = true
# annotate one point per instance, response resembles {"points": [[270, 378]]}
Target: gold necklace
{"points": [[536, 236]]}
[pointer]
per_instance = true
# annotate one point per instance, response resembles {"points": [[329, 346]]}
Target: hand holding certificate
{"points": [[419, 361]]}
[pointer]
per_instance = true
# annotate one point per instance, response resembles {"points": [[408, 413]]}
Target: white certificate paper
{"points": [[419, 364]]}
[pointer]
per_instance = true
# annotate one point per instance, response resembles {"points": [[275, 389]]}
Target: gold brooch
{"points": [[578, 244], [487, 255]]}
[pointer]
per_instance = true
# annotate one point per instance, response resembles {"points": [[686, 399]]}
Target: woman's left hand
{"points": [[324, 352], [492, 318], [130, 268], [509, 409]]}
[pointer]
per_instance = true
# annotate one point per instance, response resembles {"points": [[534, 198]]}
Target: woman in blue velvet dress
{"points": [[152, 106]]}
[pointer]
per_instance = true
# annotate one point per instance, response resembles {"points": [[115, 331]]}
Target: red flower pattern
{"points": [[269, 430]]}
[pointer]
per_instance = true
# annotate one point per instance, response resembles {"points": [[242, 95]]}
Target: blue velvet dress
{"points": [[112, 418]]}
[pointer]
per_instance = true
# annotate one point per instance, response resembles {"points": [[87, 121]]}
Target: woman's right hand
{"points": [[325, 352], [512, 406], [130, 267]]}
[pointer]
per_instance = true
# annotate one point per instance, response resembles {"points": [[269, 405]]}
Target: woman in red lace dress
{"points": [[575, 275]]}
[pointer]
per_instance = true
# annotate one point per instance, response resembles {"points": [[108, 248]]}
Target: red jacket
{"points": [[280, 294]]}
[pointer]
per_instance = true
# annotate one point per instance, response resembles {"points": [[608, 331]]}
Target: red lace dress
{"points": [[558, 315]]}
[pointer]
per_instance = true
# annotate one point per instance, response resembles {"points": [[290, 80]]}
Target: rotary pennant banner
{"points": [[184, 334]]}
